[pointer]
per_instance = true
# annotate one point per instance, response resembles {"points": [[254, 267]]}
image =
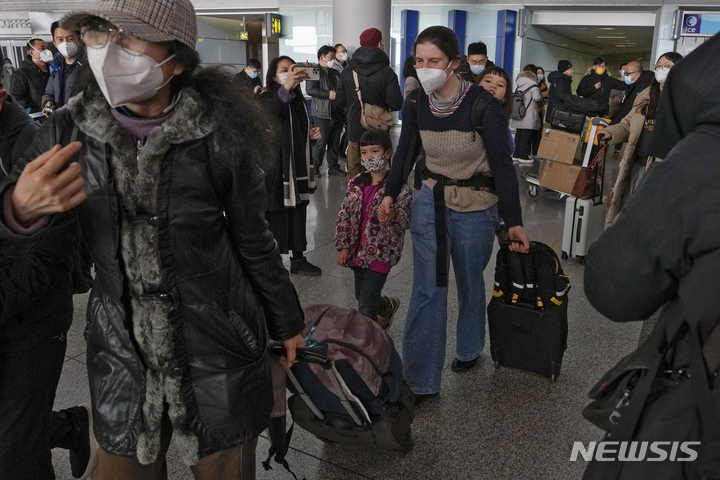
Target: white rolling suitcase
{"points": [[584, 219]]}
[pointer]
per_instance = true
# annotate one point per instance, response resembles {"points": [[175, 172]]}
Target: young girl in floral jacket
{"points": [[366, 245]]}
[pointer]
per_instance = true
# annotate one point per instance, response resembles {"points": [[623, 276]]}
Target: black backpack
{"points": [[519, 107], [535, 279]]}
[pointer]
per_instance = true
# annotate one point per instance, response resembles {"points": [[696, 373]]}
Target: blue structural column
{"points": [[457, 22], [505, 46], [409, 22]]}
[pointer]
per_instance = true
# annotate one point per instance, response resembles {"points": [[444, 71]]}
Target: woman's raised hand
{"points": [[43, 189]]}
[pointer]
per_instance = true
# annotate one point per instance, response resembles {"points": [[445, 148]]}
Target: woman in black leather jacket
{"points": [[171, 199]]}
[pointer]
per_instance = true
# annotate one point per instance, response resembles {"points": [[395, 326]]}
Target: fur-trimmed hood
{"points": [[527, 74]]}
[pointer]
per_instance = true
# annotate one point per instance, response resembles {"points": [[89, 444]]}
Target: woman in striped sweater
{"points": [[469, 183]]}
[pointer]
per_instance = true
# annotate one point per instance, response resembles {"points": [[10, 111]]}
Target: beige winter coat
{"points": [[628, 130]]}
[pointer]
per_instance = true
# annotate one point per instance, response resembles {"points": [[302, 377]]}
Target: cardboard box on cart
{"points": [[559, 176], [558, 145]]}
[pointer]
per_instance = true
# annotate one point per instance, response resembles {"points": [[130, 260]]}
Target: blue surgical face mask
{"points": [[629, 80], [253, 74], [476, 69]]}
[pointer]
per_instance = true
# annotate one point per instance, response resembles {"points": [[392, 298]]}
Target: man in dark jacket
{"points": [[598, 85], [65, 68], [326, 114], [476, 62], [30, 80], [379, 86], [636, 80], [249, 77], [560, 89]]}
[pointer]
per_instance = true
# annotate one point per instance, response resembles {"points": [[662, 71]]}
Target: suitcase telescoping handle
{"points": [[308, 356], [596, 122]]}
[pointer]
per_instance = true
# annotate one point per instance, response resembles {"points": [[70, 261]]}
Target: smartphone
{"points": [[312, 71]]}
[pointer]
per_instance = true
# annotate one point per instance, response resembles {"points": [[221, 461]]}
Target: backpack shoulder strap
{"points": [[357, 86], [481, 103]]}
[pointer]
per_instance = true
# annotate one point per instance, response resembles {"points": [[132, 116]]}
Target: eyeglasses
{"points": [[664, 68], [627, 74], [98, 35]]}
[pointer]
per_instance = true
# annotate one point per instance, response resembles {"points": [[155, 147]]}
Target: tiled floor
{"points": [[486, 424]]}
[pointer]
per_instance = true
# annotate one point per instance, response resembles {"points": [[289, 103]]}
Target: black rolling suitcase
{"points": [[527, 315]]}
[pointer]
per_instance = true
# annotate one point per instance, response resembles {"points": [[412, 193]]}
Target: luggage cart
{"points": [[535, 189]]}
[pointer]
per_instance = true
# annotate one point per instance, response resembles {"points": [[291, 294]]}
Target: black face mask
{"points": [[685, 102]]}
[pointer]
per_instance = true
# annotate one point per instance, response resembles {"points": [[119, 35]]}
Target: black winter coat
{"points": [[559, 90], [60, 89], [292, 161], [35, 288], [223, 279], [28, 85], [601, 95], [378, 83]]}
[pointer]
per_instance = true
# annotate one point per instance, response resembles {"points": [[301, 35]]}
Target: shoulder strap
{"points": [[481, 102], [357, 86]]}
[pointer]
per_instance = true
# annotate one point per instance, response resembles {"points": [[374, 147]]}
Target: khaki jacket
{"points": [[628, 130]]}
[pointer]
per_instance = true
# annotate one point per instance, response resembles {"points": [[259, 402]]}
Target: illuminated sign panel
{"points": [[273, 25], [243, 35]]}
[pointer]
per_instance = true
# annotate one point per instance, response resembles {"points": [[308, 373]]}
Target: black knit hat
{"points": [[477, 48], [564, 65]]}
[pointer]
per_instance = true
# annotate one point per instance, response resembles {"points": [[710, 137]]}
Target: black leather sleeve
{"points": [[243, 189]]}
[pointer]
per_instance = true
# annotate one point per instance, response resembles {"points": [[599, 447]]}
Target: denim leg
{"points": [[471, 243], [369, 292], [424, 335]]}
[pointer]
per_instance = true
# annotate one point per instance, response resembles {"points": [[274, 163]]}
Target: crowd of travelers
{"points": [[157, 173]]}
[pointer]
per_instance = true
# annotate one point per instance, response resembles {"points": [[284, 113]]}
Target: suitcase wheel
{"points": [[581, 260], [497, 363], [553, 378], [564, 256]]}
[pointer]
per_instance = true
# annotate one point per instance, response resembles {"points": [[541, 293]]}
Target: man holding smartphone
{"points": [[325, 112]]}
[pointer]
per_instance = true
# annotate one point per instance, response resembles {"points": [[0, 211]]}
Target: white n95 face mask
{"points": [[661, 75], [432, 78], [46, 55], [123, 77]]}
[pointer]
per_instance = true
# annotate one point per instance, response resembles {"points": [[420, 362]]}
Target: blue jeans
{"points": [[470, 237]]}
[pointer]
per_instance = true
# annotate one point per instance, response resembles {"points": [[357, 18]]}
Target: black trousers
{"points": [[330, 131], [536, 137], [523, 143], [368, 291], [29, 375]]}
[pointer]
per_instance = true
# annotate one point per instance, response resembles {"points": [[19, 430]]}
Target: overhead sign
{"points": [[273, 25], [700, 24], [15, 23], [244, 35]]}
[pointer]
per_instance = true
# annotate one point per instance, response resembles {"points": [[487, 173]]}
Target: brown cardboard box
{"points": [[558, 145], [559, 176]]}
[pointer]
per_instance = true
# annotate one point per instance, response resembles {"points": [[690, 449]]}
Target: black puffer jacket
{"points": [[378, 83], [60, 89], [559, 90], [28, 85], [35, 288], [223, 281], [586, 89]]}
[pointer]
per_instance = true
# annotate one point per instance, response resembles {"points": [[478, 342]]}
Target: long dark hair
{"points": [[242, 124], [272, 71], [409, 68], [648, 108], [499, 71], [442, 37]]}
